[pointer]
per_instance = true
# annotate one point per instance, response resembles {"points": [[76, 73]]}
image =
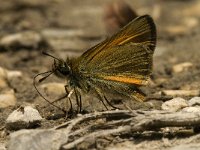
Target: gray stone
{"points": [[174, 104], [194, 101], [21, 118], [39, 139]]}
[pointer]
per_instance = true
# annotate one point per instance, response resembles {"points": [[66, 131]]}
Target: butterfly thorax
{"points": [[68, 69]]}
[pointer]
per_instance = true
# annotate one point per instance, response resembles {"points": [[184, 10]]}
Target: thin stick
{"points": [[94, 135]]}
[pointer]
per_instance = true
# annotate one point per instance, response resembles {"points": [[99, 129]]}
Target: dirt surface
{"points": [[68, 28]]}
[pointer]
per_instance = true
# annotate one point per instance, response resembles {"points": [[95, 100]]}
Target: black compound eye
{"points": [[64, 70]]}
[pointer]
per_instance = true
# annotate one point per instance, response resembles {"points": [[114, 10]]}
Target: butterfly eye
{"points": [[64, 70]]}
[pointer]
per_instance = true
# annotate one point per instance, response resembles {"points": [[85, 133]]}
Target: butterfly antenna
{"points": [[45, 53], [42, 79], [34, 84]]}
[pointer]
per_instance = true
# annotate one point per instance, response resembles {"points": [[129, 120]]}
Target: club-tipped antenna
{"points": [[45, 53], [42, 79]]}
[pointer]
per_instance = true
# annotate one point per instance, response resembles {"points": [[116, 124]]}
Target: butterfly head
{"points": [[61, 68]]}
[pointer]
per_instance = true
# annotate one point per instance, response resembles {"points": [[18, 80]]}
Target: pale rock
{"points": [[194, 101], [2, 146], [38, 139], [3, 83], [3, 73], [8, 74], [191, 109], [7, 99], [13, 74], [28, 39], [21, 118], [174, 104], [182, 67]]}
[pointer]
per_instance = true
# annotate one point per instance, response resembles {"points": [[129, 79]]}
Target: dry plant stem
{"points": [[96, 115], [94, 135], [173, 119], [134, 121], [108, 125]]}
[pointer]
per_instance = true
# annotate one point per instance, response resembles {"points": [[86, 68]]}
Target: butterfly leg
{"points": [[78, 100], [110, 103], [58, 99], [103, 97], [67, 93]]}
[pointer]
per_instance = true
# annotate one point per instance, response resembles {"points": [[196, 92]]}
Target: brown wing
{"points": [[126, 56], [124, 60], [141, 30]]}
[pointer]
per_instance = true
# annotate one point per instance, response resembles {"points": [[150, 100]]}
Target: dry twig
{"points": [[123, 121]]}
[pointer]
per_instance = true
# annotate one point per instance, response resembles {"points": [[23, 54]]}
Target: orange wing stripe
{"points": [[126, 80]]}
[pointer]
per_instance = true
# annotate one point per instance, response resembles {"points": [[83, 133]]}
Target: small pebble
{"points": [[6, 75], [3, 83], [7, 99], [3, 73], [13, 74], [191, 109], [194, 101], [28, 39], [182, 67], [21, 118], [175, 104]]}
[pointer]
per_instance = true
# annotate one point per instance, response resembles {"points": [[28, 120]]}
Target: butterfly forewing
{"points": [[141, 30], [124, 58]]}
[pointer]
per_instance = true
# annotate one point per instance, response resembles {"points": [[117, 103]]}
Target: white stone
{"points": [[175, 104], [194, 101], [191, 109], [26, 117]]}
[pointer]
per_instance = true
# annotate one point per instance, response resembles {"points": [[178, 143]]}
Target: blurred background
{"points": [[67, 28]]}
